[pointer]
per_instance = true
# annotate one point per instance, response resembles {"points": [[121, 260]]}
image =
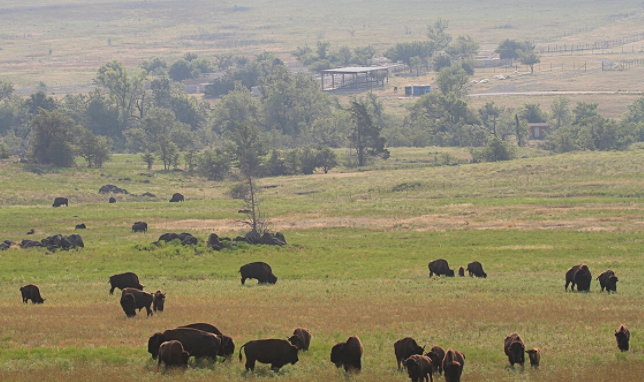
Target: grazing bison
{"points": [[140, 227], [171, 353], [419, 368], [514, 348], [583, 279], [603, 279], [535, 356], [81, 226], [158, 301], [571, 276], [128, 303], [348, 354], [60, 202], [453, 364], [141, 298], [440, 267], [622, 335], [436, 355], [274, 351], [612, 284], [260, 271], [461, 272], [476, 269], [227, 347], [405, 348], [112, 199], [301, 338], [31, 292], [197, 343], [176, 198], [125, 280]]}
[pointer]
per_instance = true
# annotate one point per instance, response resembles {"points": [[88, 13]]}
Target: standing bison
{"points": [[440, 267], [535, 357], [514, 348], [260, 271], [301, 338], [603, 279], [274, 351], [125, 280], [453, 364], [227, 347], [405, 348], [611, 286], [158, 301], [176, 198], [128, 303], [31, 292], [577, 274], [436, 355], [623, 336], [197, 343], [171, 353], [461, 272], [141, 299], [419, 368], [348, 354], [140, 227], [476, 269], [60, 202]]}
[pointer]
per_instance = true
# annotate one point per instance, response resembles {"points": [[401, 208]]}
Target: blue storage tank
{"points": [[408, 90]]}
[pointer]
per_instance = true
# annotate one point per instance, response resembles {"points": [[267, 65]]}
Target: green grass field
{"points": [[356, 263]]}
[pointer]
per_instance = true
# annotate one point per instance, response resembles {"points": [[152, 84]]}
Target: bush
{"points": [[4, 151], [239, 191], [496, 150]]}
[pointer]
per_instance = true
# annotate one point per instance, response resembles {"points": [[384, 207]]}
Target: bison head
{"points": [[272, 279], [184, 358], [412, 365], [128, 303], [296, 341], [154, 343], [516, 352], [337, 354], [612, 284], [449, 273], [293, 358], [227, 347]]}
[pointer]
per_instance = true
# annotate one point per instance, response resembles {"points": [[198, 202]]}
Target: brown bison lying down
{"points": [[260, 271], [171, 353], [348, 354], [440, 267], [514, 348], [125, 280], [227, 347], [142, 299], [274, 351], [301, 338], [405, 348], [197, 343], [419, 368], [31, 292], [158, 301], [535, 356], [623, 336], [453, 364], [436, 355]]}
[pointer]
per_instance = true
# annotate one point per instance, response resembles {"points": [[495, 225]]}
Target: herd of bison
{"points": [[174, 347]]}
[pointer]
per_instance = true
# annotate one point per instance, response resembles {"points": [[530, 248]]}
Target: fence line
{"points": [[565, 48]]}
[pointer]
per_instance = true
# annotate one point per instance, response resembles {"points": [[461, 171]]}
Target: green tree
{"points": [[189, 158], [126, 91], [490, 114], [326, 159], [511, 49], [154, 65], [181, 70], [561, 113], [437, 35], [234, 108], [94, 149], [6, 89], [54, 138], [365, 137], [533, 114], [148, 158], [404, 51], [4, 151], [416, 62], [463, 48], [496, 150], [40, 101], [442, 61], [322, 48], [166, 151], [452, 80], [214, 164], [529, 58]]}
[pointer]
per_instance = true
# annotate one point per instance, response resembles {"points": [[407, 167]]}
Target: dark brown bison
{"points": [[348, 354], [112, 200], [603, 278], [141, 298], [419, 368], [274, 351], [197, 343], [405, 348], [176, 198], [60, 202], [301, 338], [128, 303], [623, 336], [140, 227], [440, 267], [453, 364], [81, 226], [171, 353], [158, 301], [31, 292], [260, 271], [535, 356], [571, 274], [514, 348], [227, 348], [436, 354], [461, 272], [476, 269], [125, 280], [612, 284], [583, 279]]}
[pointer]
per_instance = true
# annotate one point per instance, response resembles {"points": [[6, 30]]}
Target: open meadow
{"points": [[356, 263]]}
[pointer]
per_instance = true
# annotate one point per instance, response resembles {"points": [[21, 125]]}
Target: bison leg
{"points": [[250, 363], [147, 309], [112, 290], [243, 280]]}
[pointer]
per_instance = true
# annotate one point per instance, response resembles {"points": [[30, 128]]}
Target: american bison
{"points": [[405, 348], [196, 342], [31, 292], [81, 226], [623, 336], [440, 267], [461, 272], [612, 284], [125, 280], [31, 232], [128, 303], [274, 351], [603, 278], [514, 348], [453, 364], [142, 299], [140, 227], [584, 276], [476, 269], [260, 271], [176, 198], [171, 353], [583, 279], [112, 200], [419, 368], [227, 348], [535, 356], [301, 338], [436, 354], [348, 354], [158, 301], [60, 202]]}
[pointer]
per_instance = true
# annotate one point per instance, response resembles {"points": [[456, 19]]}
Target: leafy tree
{"points": [[148, 158], [533, 114], [181, 70], [406, 50], [365, 137], [416, 62], [452, 80], [496, 150], [234, 108], [511, 49], [4, 151], [94, 149], [54, 138], [248, 76], [159, 122], [529, 58], [126, 92], [437, 35], [161, 92], [167, 151], [38, 101], [214, 164], [490, 114], [326, 159], [442, 61], [363, 55], [6, 89], [275, 165], [189, 158], [322, 48], [463, 48], [155, 65], [561, 113], [585, 112]]}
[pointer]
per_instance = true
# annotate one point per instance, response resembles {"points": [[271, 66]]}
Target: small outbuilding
{"points": [[357, 76], [539, 130]]}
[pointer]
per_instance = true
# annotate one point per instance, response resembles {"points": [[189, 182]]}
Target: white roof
{"points": [[355, 69]]}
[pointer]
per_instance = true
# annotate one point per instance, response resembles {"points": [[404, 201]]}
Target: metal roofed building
{"points": [[358, 75]]}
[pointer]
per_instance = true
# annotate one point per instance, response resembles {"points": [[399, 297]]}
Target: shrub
{"points": [[239, 191]]}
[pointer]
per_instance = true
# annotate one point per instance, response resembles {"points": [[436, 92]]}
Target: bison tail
{"points": [[240, 355]]}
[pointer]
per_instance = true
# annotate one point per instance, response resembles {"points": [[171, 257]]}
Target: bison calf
{"points": [[301, 338], [31, 292], [158, 301], [348, 354], [142, 299], [476, 269], [514, 348], [440, 267], [260, 271], [623, 336], [419, 368], [436, 354], [171, 353], [274, 351], [535, 357], [461, 272], [125, 280], [405, 348]]}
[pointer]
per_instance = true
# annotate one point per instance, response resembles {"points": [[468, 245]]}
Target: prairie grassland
{"points": [[359, 244]]}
